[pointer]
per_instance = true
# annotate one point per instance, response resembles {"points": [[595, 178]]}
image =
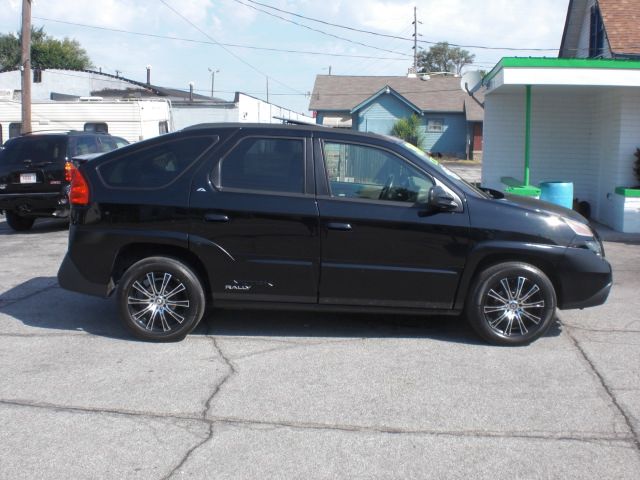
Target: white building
{"points": [[186, 107], [584, 129]]}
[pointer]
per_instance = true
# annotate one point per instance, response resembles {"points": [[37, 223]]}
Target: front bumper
{"points": [[584, 278]]}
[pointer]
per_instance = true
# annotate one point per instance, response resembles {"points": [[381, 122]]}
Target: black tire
{"points": [[18, 222], [160, 299], [511, 303]]}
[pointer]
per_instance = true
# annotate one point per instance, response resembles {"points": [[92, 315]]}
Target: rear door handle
{"points": [[345, 227], [216, 217]]}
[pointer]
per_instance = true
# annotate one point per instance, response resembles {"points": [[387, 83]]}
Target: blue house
{"points": [[452, 120]]}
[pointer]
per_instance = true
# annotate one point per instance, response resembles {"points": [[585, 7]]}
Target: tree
{"points": [[46, 52], [409, 130], [443, 58]]}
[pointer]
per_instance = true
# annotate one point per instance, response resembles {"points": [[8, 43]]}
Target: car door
{"points": [[380, 244], [255, 220]]}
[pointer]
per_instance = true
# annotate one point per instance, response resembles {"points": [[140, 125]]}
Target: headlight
{"points": [[579, 228], [592, 242]]}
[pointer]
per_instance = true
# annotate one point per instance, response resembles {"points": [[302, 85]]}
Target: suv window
{"points": [[108, 143], [155, 166], [82, 144], [268, 164], [38, 149], [357, 171]]}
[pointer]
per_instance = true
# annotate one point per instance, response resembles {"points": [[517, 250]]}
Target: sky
{"points": [[203, 27]]}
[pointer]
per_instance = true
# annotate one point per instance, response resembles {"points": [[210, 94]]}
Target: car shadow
{"points": [[31, 304], [41, 225]]}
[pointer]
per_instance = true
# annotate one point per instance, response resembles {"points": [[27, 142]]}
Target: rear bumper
{"points": [[585, 279], [70, 278], [35, 204]]}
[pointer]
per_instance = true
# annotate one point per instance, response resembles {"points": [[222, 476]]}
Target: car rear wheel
{"points": [[160, 299], [511, 304], [18, 222]]}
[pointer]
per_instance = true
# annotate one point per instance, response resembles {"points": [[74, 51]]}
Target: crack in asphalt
{"points": [[623, 437], [231, 371], [614, 400]]}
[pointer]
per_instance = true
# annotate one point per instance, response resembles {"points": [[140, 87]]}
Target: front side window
{"points": [[266, 164], [155, 166], [368, 173]]}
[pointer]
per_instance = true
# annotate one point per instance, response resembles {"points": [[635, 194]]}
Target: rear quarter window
{"points": [[154, 166]]}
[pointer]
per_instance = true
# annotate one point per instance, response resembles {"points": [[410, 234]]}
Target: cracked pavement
{"points": [[307, 395]]}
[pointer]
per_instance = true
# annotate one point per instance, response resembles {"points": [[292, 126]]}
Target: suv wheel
{"points": [[19, 223], [160, 299], [511, 304]]}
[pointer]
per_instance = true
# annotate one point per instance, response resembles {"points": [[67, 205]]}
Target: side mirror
{"points": [[439, 199]]}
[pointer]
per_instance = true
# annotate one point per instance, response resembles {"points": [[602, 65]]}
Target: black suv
{"points": [[35, 173], [252, 216]]}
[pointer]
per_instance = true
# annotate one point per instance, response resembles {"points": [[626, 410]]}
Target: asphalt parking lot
{"points": [[298, 395]]}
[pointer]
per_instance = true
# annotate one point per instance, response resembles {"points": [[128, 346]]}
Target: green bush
{"points": [[409, 130]]}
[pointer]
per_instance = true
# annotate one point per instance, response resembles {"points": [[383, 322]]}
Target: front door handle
{"points": [[344, 227], [216, 217]]}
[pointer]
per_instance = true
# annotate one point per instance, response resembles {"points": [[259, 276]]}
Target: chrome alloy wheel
{"points": [[158, 302], [514, 306]]}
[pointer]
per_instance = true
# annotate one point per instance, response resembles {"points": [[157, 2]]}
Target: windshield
{"points": [[433, 163]]}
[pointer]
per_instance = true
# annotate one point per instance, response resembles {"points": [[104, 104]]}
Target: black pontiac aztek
{"points": [[264, 216]]}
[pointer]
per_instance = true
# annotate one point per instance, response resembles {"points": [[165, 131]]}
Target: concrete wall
{"points": [[586, 137]]}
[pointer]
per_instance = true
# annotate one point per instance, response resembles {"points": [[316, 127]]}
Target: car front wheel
{"points": [[511, 303], [160, 299]]}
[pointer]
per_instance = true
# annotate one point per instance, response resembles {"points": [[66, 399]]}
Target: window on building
{"points": [[596, 33], [154, 166], [14, 129], [99, 127], [163, 127], [366, 173], [37, 75], [269, 164], [435, 125]]}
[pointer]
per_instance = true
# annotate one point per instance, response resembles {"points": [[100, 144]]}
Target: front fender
{"points": [[485, 254]]}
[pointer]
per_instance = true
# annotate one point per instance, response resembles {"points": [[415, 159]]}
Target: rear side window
{"points": [[40, 150], [155, 166], [108, 143], [269, 164], [81, 145]]}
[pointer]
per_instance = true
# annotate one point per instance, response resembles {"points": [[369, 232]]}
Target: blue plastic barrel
{"points": [[560, 193]]}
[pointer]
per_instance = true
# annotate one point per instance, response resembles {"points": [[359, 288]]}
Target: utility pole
{"points": [[26, 66], [415, 38], [213, 72], [267, 89]]}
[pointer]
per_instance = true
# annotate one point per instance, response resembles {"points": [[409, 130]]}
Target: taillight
{"points": [[79, 191], [68, 171]]}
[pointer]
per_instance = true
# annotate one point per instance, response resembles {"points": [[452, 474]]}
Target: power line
{"points": [[318, 30], [369, 32], [233, 45], [238, 57]]}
